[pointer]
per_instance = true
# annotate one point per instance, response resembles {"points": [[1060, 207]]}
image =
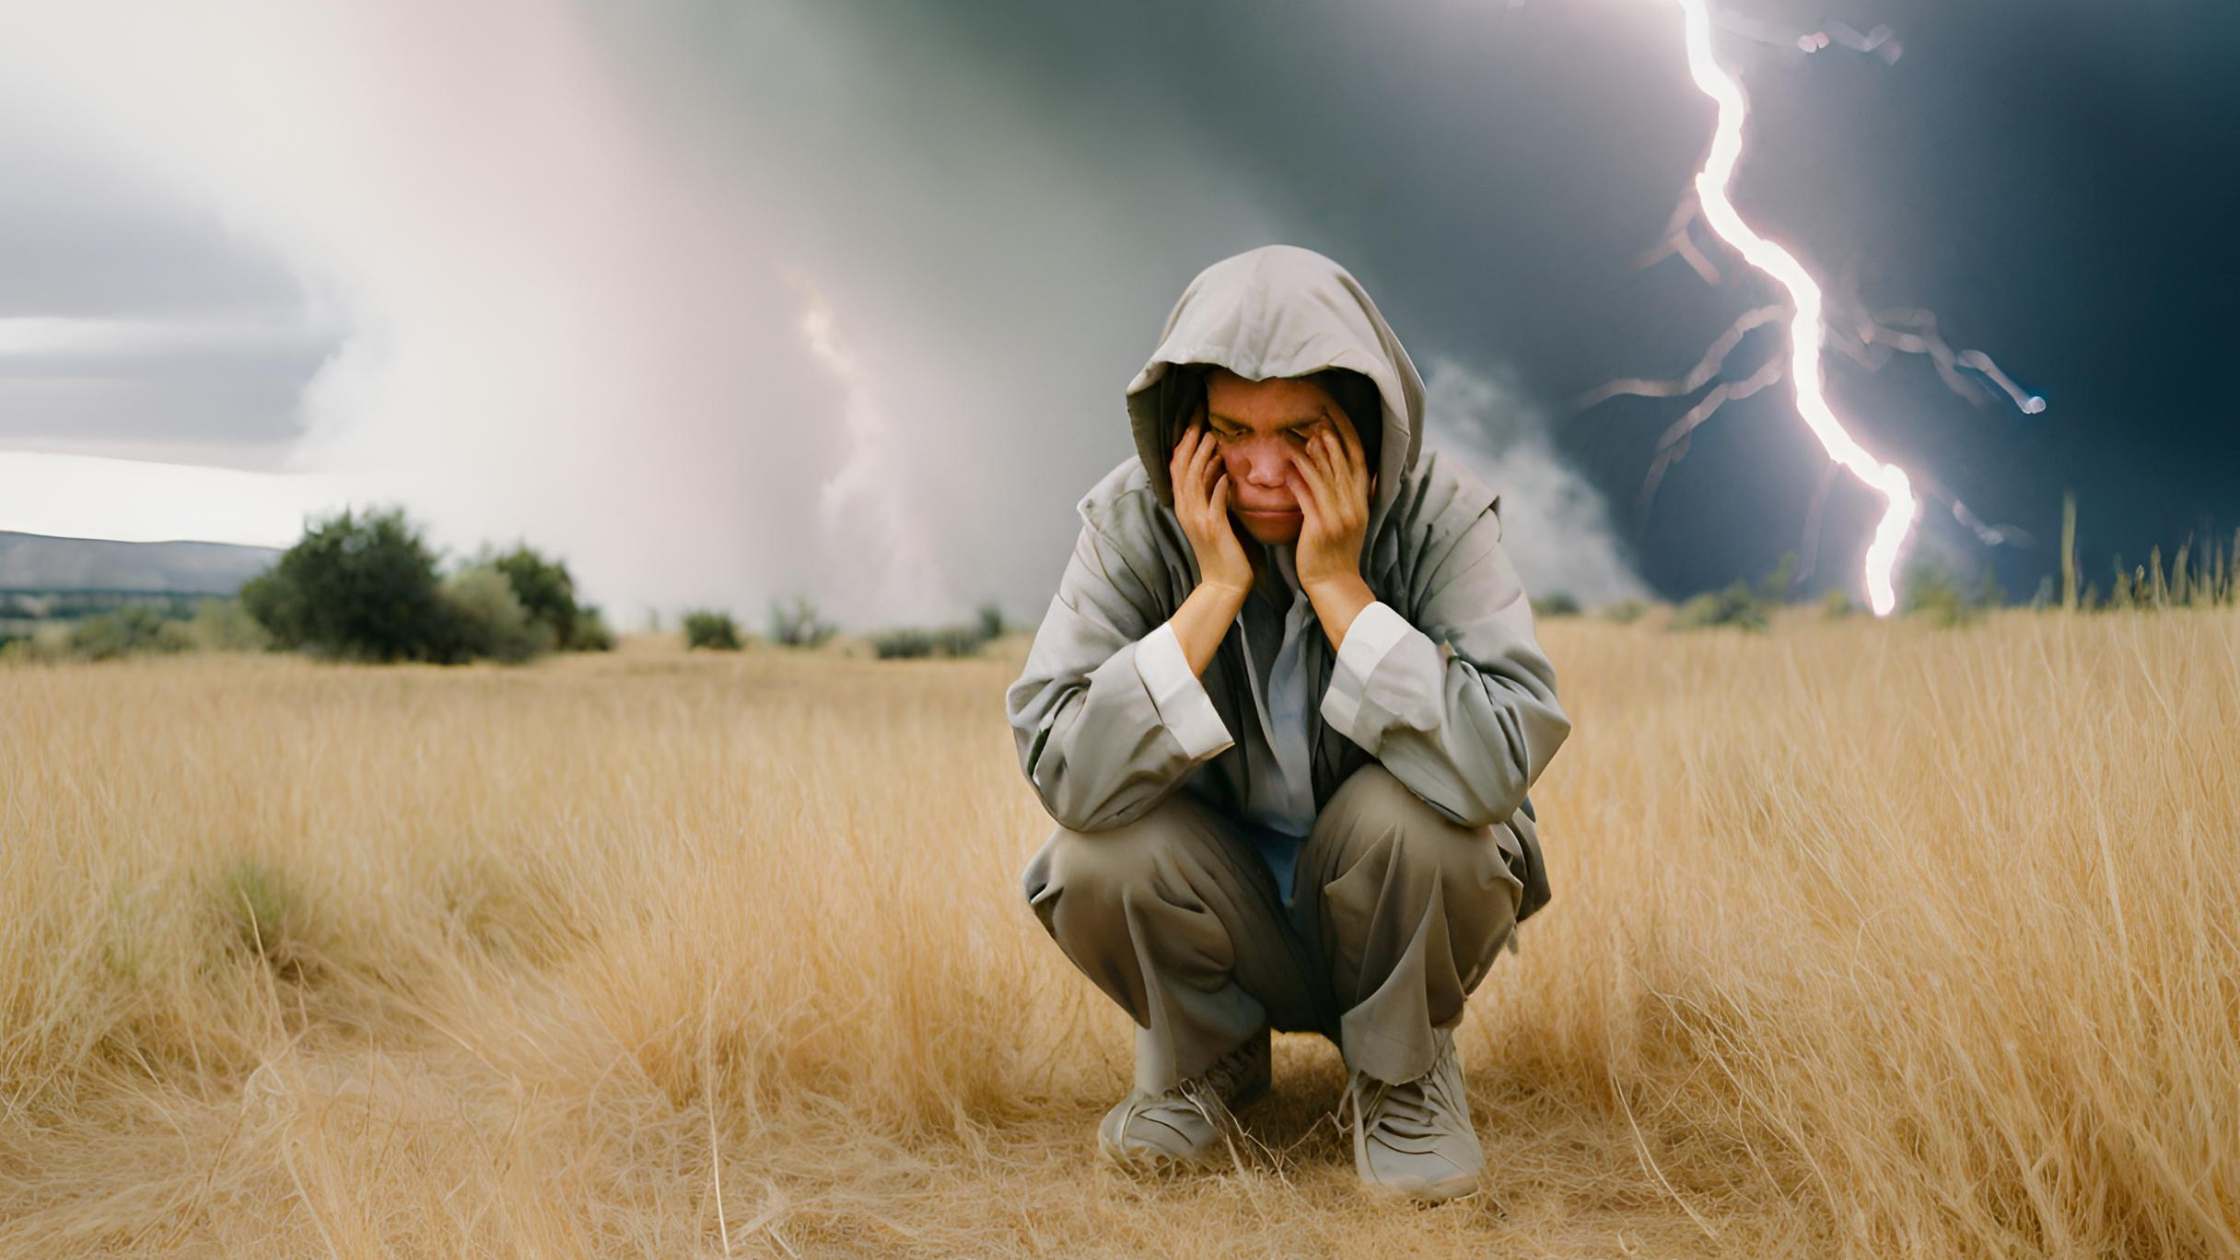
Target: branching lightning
{"points": [[1866, 336], [1914, 331], [1879, 42], [1711, 182]]}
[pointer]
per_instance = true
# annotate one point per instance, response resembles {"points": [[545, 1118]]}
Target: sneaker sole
{"points": [[1152, 1163], [1430, 1192]]}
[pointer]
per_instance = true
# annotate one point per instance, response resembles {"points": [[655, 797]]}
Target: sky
{"points": [[726, 303]]}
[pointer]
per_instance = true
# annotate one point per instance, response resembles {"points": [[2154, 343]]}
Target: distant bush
{"points": [[1734, 606], [488, 620], [799, 625], [1556, 604], [357, 586], [709, 628], [362, 588], [911, 641], [1775, 586], [992, 625], [546, 590], [958, 640], [131, 629], [1932, 592], [902, 642], [1625, 611], [224, 625], [1836, 604], [44, 644], [367, 587], [590, 633]]}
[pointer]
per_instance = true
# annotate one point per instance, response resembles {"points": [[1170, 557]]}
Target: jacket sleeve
{"points": [[1108, 717], [1461, 704]]}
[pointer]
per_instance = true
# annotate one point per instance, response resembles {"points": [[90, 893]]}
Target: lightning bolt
{"points": [[1866, 336], [1805, 328]]}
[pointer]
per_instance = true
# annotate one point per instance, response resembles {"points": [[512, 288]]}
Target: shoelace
{"points": [[1217, 1082], [1408, 1113], [1226, 1076], [1187, 1094]]}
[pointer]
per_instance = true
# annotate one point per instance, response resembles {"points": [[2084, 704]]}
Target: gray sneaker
{"points": [[1184, 1126], [1414, 1138]]}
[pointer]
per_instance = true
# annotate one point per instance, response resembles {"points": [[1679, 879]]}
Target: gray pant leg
{"points": [[1177, 920], [1409, 910]]}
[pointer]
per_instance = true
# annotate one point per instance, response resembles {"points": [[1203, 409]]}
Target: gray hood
{"points": [[1279, 310], [1461, 705]]}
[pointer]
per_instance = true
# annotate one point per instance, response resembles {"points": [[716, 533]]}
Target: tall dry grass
{"points": [[1867, 939]]}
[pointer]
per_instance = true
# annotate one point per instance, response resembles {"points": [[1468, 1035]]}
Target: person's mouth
{"points": [[1269, 514]]}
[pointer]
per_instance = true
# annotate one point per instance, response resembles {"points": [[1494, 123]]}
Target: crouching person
{"points": [[1285, 708]]}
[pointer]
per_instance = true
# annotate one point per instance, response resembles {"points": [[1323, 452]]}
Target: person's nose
{"points": [[1265, 465]]}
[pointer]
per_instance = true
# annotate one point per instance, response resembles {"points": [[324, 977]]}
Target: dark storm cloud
{"points": [[990, 208], [2052, 178]]}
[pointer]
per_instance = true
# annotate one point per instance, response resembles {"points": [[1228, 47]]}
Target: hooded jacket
{"points": [[1444, 682]]}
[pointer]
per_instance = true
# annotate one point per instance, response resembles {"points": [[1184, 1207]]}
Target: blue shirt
{"points": [[1275, 621], [1280, 811]]}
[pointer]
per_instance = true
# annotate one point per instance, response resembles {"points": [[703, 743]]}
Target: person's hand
{"points": [[1330, 478], [1201, 502]]}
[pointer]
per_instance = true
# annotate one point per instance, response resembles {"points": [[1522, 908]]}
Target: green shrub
{"points": [[488, 620], [1625, 611], [543, 588], [46, 644], [356, 588], [799, 625], [992, 625], [1775, 586], [267, 917], [902, 642], [367, 588], [1837, 604], [905, 642], [547, 590], [1556, 604], [224, 625], [131, 629], [1930, 591], [709, 628], [590, 633], [958, 640], [1735, 606]]}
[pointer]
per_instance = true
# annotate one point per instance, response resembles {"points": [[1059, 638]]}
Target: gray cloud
{"points": [[133, 320], [734, 302], [1555, 525]]}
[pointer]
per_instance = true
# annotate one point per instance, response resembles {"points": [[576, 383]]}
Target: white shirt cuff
{"points": [[1375, 631], [1179, 695]]}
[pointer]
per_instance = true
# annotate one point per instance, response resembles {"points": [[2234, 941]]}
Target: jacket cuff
{"points": [[1375, 631], [1179, 695]]}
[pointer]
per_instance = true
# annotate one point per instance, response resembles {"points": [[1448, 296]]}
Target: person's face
{"points": [[1257, 424]]}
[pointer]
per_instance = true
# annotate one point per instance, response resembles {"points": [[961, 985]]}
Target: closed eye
{"points": [[1296, 435]]}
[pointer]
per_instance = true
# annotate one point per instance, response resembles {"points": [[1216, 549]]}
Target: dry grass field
{"points": [[1869, 939]]}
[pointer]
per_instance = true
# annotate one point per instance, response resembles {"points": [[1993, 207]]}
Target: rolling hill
{"points": [[39, 562]]}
